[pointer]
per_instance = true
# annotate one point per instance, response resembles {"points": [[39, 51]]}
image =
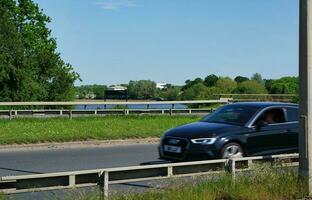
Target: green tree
{"points": [[257, 77], [142, 89], [285, 85], [250, 87], [240, 79], [189, 83], [197, 91], [268, 84], [225, 85], [170, 93], [87, 91], [211, 80], [99, 91], [30, 67]]}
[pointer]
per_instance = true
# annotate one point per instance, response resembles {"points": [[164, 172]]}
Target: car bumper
{"points": [[193, 152]]}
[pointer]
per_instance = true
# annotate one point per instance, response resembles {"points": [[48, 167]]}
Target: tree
{"points": [[99, 91], [250, 87], [268, 84], [30, 67], [88, 91], [143, 89], [240, 79], [285, 85], [197, 91], [257, 77], [226, 85], [170, 93], [189, 83], [211, 80]]}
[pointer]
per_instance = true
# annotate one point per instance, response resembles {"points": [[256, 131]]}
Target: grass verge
{"points": [[34, 130], [262, 184]]}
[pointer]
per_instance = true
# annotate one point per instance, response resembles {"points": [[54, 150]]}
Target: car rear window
{"points": [[292, 114]]}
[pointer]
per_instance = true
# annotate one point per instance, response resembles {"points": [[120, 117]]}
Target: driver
{"points": [[269, 118]]}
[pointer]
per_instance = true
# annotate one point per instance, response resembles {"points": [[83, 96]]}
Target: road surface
{"points": [[18, 162], [58, 160]]}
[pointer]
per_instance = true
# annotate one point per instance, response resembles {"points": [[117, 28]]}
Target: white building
{"points": [[116, 88], [161, 85]]}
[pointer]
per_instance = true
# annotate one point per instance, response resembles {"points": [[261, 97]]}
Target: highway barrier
{"points": [[13, 113], [105, 177]]}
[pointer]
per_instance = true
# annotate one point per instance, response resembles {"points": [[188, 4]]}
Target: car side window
{"points": [[272, 116], [292, 114]]}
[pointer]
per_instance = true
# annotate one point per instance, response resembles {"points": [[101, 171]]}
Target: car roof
{"points": [[264, 104]]}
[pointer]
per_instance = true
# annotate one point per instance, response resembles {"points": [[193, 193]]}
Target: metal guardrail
{"points": [[73, 103], [12, 113], [265, 95], [99, 112], [105, 177]]}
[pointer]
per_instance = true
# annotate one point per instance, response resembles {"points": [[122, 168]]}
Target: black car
{"points": [[238, 129]]}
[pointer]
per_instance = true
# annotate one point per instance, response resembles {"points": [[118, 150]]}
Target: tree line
{"points": [[31, 69], [200, 88]]}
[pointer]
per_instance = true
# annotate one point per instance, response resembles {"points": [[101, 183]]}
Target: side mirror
{"points": [[260, 124]]}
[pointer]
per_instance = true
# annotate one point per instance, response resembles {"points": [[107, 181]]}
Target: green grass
{"points": [[34, 130], [264, 184], [270, 185]]}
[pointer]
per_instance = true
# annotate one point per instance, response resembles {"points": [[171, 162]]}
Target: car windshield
{"points": [[232, 114]]}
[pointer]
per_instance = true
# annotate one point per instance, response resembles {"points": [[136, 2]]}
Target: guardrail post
{"points": [[126, 111], [61, 112], [72, 181], [162, 111], [104, 187], [70, 114], [15, 113], [169, 171], [190, 111], [10, 114], [231, 168], [250, 164]]}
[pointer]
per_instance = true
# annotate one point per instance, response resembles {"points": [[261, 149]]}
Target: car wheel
{"points": [[231, 150]]}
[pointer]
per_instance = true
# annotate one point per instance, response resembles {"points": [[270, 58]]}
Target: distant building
{"points": [[161, 85], [116, 92], [116, 88]]}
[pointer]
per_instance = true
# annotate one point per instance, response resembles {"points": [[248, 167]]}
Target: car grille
{"points": [[179, 142]]}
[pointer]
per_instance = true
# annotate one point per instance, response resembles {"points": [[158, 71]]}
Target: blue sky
{"points": [[114, 41]]}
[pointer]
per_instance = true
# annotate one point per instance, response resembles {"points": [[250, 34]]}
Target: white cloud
{"points": [[116, 4]]}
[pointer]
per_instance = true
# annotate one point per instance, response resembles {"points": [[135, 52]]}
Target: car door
{"points": [[270, 137], [292, 128]]}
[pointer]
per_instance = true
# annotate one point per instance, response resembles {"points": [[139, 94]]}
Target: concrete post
{"points": [[305, 77]]}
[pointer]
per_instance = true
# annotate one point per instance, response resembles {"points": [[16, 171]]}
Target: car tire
{"points": [[231, 150]]}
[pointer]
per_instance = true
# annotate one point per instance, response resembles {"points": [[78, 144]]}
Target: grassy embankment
{"points": [[34, 130], [263, 184]]}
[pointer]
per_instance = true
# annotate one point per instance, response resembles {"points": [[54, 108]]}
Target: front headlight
{"points": [[203, 140]]}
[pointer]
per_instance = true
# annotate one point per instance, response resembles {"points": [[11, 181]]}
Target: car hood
{"points": [[201, 129]]}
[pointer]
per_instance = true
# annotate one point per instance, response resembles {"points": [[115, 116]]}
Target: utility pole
{"points": [[305, 102]]}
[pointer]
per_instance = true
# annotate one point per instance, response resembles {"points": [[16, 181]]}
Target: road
{"points": [[58, 160], [18, 162]]}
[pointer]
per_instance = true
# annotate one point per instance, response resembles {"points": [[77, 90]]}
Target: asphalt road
{"points": [[58, 160], [18, 162]]}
